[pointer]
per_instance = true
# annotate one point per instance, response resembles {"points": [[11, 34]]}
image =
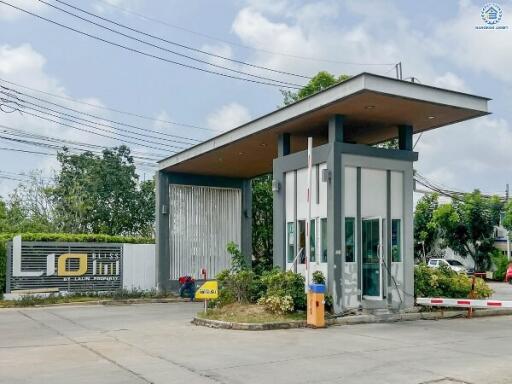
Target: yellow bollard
{"points": [[315, 308]]}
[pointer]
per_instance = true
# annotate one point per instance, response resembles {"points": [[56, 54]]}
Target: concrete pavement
{"points": [[155, 343]]}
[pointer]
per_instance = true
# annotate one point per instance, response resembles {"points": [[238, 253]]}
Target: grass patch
{"points": [[248, 313], [31, 301]]}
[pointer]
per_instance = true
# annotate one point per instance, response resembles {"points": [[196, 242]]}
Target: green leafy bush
{"points": [[278, 305], [500, 262], [443, 282], [66, 237], [318, 277], [286, 284]]}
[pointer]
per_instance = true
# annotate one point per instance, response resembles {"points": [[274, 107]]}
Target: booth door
{"points": [[371, 260]]}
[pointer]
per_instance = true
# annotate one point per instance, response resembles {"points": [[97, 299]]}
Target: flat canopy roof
{"points": [[373, 106]]}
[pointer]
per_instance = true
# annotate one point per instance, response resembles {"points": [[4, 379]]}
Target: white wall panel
{"points": [[373, 193], [350, 192], [290, 196], [397, 195], [139, 272]]}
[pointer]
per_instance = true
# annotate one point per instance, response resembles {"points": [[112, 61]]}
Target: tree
{"points": [[262, 222], [425, 230], [102, 194], [467, 226], [507, 217], [319, 82]]}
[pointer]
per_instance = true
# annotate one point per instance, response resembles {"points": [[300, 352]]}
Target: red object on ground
{"points": [[185, 279], [508, 275]]}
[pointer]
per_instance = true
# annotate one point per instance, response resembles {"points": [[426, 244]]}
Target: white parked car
{"points": [[454, 265]]}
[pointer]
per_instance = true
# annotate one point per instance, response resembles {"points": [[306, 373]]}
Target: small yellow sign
{"points": [[209, 290]]}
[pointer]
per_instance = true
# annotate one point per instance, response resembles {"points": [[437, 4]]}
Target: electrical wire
{"points": [[6, 91], [176, 43], [107, 108], [269, 52], [97, 133], [23, 103], [165, 49], [156, 57]]}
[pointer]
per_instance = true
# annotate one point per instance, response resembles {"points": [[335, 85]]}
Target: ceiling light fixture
{"points": [[431, 117], [369, 107]]}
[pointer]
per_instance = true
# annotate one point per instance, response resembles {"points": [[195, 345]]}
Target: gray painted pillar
{"points": [[405, 137], [336, 129], [359, 236], [162, 231], [334, 195], [246, 246], [388, 246], [279, 207], [283, 144], [408, 231]]}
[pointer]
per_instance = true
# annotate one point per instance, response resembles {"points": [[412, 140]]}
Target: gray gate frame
{"points": [[164, 180]]}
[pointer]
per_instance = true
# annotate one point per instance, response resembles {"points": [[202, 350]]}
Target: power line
{"points": [[7, 90], [160, 47], [156, 57], [107, 108], [174, 42], [93, 132], [23, 104], [60, 145], [65, 142], [275, 53]]}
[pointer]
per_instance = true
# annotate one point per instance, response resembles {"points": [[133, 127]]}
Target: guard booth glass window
{"points": [[323, 229], [396, 241], [291, 241], [312, 237], [302, 241], [349, 239]]}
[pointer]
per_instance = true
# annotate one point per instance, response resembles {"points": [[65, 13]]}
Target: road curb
{"points": [[102, 302], [351, 320]]}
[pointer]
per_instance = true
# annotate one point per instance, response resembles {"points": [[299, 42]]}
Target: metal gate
{"points": [[203, 220]]}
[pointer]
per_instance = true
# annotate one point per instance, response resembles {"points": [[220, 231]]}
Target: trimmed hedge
{"points": [[66, 237]]}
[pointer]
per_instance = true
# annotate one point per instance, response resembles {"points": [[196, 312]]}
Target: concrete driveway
{"points": [[155, 343], [502, 291]]}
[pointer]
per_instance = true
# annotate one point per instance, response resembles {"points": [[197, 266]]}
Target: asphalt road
{"points": [[155, 343]]}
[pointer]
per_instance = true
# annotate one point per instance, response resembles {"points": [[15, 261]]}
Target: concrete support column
{"points": [[334, 211], [283, 144], [162, 230], [405, 137], [279, 207], [246, 246]]}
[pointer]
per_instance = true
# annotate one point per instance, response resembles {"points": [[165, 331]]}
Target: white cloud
{"points": [[228, 116], [23, 65], [10, 14], [451, 81], [223, 50], [488, 51], [104, 6], [468, 155]]}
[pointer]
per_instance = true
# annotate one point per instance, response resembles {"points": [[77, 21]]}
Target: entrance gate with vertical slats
{"points": [[203, 220]]}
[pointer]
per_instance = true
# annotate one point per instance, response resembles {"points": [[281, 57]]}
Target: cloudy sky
{"points": [[436, 42]]}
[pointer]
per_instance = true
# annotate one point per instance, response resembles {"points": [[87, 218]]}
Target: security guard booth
{"points": [[361, 228]]}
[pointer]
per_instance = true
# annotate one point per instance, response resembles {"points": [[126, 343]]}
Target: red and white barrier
{"points": [[463, 303]]}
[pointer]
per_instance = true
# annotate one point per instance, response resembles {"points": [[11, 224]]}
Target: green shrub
{"points": [[318, 277], [278, 305], [443, 282], [501, 263], [66, 237], [286, 284]]}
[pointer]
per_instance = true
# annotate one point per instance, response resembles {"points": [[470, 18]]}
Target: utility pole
{"points": [[507, 190], [398, 69]]}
